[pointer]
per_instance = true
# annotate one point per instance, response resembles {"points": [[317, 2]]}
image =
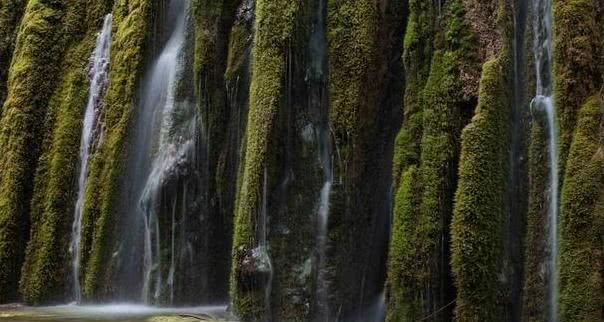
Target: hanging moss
{"points": [[45, 270], [10, 17], [534, 282], [578, 49], [404, 273], [582, 219], [404, 277], [435, 111], [274, 27], [416, 57], [350, 22], [365, 83], [478, 215], [131, 20], [30, 84]]}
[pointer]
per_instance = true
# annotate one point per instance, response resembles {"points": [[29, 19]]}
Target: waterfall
{"points": [[542, 24], [167, 151], [262, 252], [317, 84], [99, 64]]}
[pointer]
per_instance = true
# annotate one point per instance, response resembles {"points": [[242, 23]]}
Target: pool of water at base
{"points": [[113, 313]]}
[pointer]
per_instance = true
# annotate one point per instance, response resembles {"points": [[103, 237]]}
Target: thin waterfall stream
{"points": [[99, 65], [317, 85], [166, 149], [543, 35]]}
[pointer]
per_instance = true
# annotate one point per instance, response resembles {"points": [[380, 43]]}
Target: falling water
{"points": [[262, 252], [318, 54], [99, 64], [159, 106], [542, 24]]}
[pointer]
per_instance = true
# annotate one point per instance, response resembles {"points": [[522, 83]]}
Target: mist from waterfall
{"points": [[543, 101], [98, 73]]}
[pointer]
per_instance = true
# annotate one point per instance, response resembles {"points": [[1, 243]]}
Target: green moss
{"points": [[352, 28], [30, 84], [477, 223], [46, 266], [578, 40], [274, 28], [404, 276], [582, 219], [131, 20], [435, 105], [239, 44], [534, 279], [404, 271], [10, 17], [417, 59]]}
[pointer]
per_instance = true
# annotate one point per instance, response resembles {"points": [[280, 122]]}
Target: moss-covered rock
{"points": [[477, 224], [31, 81], [578, 48], [441, 54], [535, 284], [215, 52], [582, 219], [404, 275], [131, 21], [274, 28], [365, 96], [45, 271]]}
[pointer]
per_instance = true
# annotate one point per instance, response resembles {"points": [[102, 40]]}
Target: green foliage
{"points": [[274, 28], [578, 48], [30, 84], [582, 219], [131, 20], [477, 224]]}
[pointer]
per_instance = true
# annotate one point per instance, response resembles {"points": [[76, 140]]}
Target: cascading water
{"points": [[261, 253], [168, 150], [99, 64], [542, 29], [318, 54]]}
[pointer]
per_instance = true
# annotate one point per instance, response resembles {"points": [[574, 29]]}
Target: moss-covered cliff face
{"points": [[132, 20], [365, 94], [577, 76], [31, 81], [582, 218], [274, 31], [351, 160], [437, 106], [46, 266]]}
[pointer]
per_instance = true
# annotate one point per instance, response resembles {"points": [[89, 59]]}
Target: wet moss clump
{"points": [[581, 282], [477, 223], [31, 81]]}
